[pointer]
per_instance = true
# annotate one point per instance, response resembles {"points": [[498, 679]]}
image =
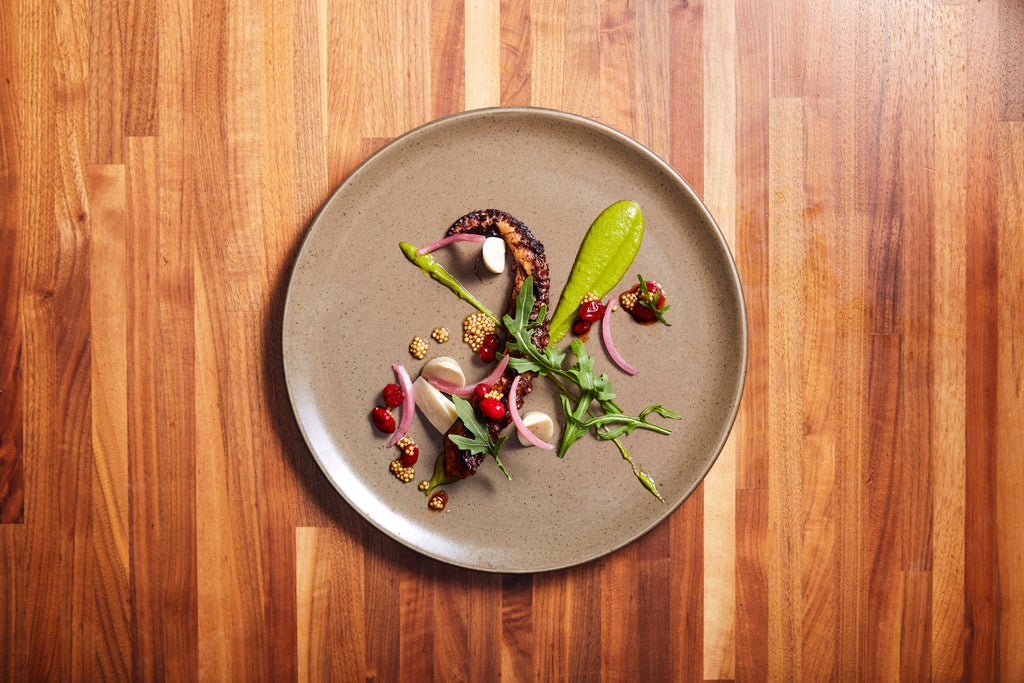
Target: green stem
{"points": [[431, 267]]}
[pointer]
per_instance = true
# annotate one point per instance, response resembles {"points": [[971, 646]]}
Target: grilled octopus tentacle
{"points": [[528, 261]]}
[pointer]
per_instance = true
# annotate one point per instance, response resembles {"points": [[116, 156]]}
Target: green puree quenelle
{"points": [[607, 250]]}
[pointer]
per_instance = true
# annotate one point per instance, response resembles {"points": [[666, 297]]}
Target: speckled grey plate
{"points": [[354, 303]]}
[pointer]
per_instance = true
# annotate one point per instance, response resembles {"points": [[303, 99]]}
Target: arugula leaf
{"points": [[580, 388], [481, 441]]}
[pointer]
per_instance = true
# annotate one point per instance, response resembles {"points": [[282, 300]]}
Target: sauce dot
{"points": [[438, 500]]}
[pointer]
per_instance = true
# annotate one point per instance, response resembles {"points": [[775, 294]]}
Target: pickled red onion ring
{"points": [[408, 403], [466, 390], [513, 410], [458, 237], [606, 337]]}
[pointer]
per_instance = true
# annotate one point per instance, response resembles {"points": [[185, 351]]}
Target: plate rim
{"points": [[621, 138]]}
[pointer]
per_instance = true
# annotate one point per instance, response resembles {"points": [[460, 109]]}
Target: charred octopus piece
{"points": [[529, 261]]}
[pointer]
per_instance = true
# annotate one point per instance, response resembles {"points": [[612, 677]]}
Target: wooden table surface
{"points": [[161, 515]]}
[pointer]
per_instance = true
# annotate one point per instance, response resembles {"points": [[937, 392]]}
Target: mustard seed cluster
{"points": [[628, 300], [437, 503], [441, 334], [418, 347], [423, 485], [403, 474], [475, 327]]}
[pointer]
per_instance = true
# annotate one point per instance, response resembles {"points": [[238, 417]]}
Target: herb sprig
{"points": [[649, 300]]}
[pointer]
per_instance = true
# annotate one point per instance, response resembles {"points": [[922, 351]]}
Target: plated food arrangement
{"points": [[472, 416], [520, 365]]}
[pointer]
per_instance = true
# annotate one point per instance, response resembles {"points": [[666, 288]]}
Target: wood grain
{"points": [[160, 515]]}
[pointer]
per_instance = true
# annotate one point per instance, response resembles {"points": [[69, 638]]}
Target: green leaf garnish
{"points": [[481, 440]]}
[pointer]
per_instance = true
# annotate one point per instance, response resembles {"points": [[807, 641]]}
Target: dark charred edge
{"points": [[458, 462]]}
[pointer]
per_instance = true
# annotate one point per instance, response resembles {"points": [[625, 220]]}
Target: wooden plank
{"points": [[566, 57], [619, 614], [981, 574], [788, 32], [141, 67], [161, 437], [13, 657], [344, 89], [447, 56], [106, 82], [482, 54], [751, 592], [110, 616], [56, 555], [653, 582], [1011, 60], [948, 343], [517, 618], [415, 620], [752, 238], [785, 339], [395, 67], [718, 54], [824, 393], [12, 472], [1009, 493], [550, 627], [329, 606], [516, 53]]}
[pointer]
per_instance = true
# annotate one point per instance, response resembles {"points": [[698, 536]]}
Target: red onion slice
{"points": [[606, 337], [513, 410], [461, 237], [466, 390], [408, 403]]}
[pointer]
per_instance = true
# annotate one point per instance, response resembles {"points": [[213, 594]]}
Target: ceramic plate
{"points": [[354, 303]]}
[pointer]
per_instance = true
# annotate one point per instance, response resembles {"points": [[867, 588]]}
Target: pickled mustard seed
{"points": [[418, 348], [403, 474]]}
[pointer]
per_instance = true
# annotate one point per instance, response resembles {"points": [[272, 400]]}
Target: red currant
{"points": [[393, 395], [383, 420], [486, 353], [410, 455], [591, 310], [492, 340], [480, 391], [492, 408], [580, 327]]}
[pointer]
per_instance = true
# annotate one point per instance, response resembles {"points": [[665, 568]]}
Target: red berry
{"points": [[383, 420], [486, 353], [480, 391], [393, 396], [654, 289], [410, 455], [641, 312], [491, 340], [580, 327], [492, 408], [591, 310]]}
